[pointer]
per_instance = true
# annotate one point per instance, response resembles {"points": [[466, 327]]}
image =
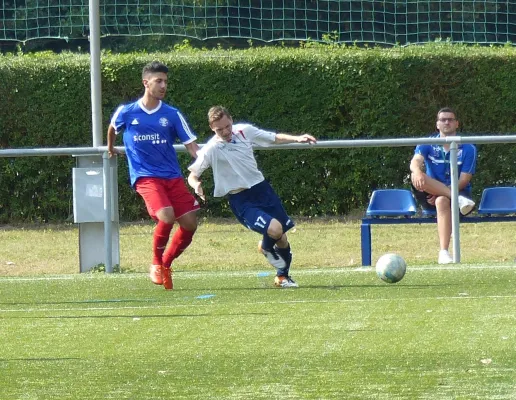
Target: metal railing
{"points": [[453, 141]]}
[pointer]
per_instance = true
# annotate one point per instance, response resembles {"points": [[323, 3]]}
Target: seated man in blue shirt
{"points": [[431, 178]]}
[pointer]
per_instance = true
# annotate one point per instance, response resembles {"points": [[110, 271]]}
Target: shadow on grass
{"points": [[31, 303], [195, 297], [40, 359], [386, 286], [57, 226], [140, 316], [329, 287]]}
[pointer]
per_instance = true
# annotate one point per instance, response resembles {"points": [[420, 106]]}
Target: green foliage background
{"points": [[330, 91]]}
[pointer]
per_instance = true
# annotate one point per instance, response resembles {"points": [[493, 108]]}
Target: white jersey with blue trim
{"points": [[233, 163], [149, 137]]}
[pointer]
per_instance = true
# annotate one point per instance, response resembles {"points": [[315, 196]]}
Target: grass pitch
{"points": [[225, 245], [440, 333]]}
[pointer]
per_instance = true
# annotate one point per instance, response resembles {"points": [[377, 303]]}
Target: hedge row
{"points": [[331, 92]]}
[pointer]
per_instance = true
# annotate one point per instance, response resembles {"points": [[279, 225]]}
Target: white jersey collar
{"points": [[140, 103]]}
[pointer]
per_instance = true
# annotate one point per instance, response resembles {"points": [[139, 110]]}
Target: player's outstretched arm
{"points": [[195, 183], [286, 138]]}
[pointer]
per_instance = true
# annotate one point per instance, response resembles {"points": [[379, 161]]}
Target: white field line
{"points": [[200, 303], [202, 274]]}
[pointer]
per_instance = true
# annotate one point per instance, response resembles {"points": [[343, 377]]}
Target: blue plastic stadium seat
{"points": [[498, 200], [391, 203]]}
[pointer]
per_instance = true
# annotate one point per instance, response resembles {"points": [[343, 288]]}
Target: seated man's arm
{"points": [[464, 179], [468, 166], [417, 175]]}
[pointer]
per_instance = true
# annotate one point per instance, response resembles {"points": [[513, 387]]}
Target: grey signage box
{"points": [[88, 195], [90, 213]]}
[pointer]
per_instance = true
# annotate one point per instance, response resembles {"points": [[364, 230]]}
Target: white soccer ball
{"points": [[391, 268]]}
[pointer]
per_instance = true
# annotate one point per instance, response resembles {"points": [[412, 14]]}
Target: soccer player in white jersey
{"points": [[150, 128], [253, 201]]}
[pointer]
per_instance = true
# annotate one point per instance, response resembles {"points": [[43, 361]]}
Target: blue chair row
{"points": [[398, 206]]}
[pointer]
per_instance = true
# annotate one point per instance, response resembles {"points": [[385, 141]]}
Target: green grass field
{"points": [[225, 245], [226, 333], [440, 333]]}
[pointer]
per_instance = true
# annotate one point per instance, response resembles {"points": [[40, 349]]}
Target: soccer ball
{"points": [[391, 268]]}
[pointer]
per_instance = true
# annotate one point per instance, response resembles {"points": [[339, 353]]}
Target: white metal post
{"points": [[455, 201], [95, 72], [108, 248]]}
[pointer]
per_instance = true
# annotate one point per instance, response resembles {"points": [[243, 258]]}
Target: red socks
{"points": [[180, 241], [160, 240]]}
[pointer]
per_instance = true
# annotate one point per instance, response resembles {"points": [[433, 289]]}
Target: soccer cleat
{"points": [[465, 205], [272, 257], [444, 257], [285, 282], [156, 274], [168, 284]]}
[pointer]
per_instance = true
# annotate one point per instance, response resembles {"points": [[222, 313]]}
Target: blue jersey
{"points": [[149, 137], [437, 161]]}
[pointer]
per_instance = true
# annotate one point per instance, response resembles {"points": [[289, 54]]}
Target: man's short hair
{"points": [[153, 68], [446, 110], [216, 113]]}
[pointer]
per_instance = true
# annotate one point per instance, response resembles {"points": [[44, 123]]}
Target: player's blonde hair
{"points": [[216, 113]]}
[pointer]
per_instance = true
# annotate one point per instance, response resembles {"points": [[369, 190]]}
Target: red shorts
{"points": [[159, 193]]}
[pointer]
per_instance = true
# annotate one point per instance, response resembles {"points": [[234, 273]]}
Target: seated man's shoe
{"points": [[465, 205], [444, 257]]}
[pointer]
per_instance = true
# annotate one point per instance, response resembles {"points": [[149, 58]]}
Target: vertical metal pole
{"points": [[96, 116], [108, 244], [455, 201], [95, 73]]}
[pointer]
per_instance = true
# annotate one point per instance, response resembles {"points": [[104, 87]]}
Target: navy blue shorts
{"points": [[257, 206], [421, 197]]}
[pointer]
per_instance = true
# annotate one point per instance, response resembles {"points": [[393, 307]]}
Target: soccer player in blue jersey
{"points": [[431, 178], [150, 128], [253, 201]]}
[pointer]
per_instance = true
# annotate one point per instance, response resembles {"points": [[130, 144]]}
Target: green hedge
{"points": [[329, 91]]}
